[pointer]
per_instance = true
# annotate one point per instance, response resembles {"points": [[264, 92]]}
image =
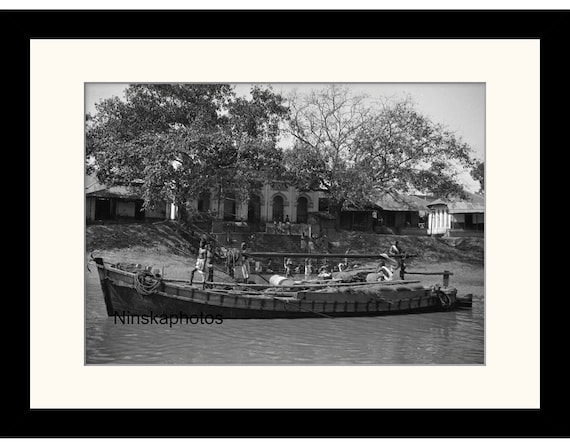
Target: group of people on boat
{"points": [[205, 262], [388, 263]]}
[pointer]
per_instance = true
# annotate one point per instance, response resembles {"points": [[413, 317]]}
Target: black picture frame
{"points": [[548, 421]]}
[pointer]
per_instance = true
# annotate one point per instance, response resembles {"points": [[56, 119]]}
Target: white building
{"points": [[456, 218]]}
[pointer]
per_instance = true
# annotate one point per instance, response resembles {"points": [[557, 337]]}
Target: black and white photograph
{"points": [[321, 224], [261, 219]]}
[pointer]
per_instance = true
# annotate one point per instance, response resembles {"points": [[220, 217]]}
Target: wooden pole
{"points": [[446, 275]]}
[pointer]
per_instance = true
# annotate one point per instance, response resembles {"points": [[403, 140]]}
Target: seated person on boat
{"points": [[325, 270]]}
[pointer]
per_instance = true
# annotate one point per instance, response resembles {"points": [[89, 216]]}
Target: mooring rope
{"points": [[444, 299], [146, 283]]}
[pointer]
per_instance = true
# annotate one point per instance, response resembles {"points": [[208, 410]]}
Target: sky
{"points": [[460, 107]]}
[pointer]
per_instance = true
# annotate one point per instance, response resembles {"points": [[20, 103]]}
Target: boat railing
{"points": [[446, 275]]}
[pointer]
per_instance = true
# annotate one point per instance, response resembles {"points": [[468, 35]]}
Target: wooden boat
{"points": [[131, 290]]}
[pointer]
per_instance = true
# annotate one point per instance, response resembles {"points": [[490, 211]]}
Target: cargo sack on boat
{"points": [[374, 277], [279, 280]]}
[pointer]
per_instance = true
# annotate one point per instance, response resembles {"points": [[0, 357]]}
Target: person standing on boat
{"points": [[308, 268], [209, 265], [244, 259], [396, 252], [288, 267], [402, 265], [200, 260], [395, 249]]}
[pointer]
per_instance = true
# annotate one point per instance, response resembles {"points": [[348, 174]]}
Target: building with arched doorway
{"points": [[274, 201]]}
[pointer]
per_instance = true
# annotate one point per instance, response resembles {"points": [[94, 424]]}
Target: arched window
{"points": [[278, 208]]}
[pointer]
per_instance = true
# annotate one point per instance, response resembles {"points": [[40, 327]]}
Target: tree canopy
{"points": [[174, 141], [355, 150], [478, 173]]}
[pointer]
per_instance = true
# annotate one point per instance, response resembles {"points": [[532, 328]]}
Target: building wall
{"points": [[267, 195], [90, 209], [290, 199], [121, 208], [459, 220], [125, 209], [479, 218]]}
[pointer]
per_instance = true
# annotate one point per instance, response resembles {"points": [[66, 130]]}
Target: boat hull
{"points": [[123, 298]]}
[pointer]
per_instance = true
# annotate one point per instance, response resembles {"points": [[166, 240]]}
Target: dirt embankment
{"points": [[167, 237], [171, 238], [428, 249]]}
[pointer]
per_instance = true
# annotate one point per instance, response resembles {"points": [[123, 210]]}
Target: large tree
{"points": [[174, 141], [356, 149], [326, 125]]}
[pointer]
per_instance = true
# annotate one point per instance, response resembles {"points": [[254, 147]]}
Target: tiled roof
{"points": [[437, 202], [474, 204], [113, 192], [95, 189], [401, 203], [465, 207]]}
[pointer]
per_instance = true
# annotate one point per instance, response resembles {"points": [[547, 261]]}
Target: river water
{"points": [[445, 338]]}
